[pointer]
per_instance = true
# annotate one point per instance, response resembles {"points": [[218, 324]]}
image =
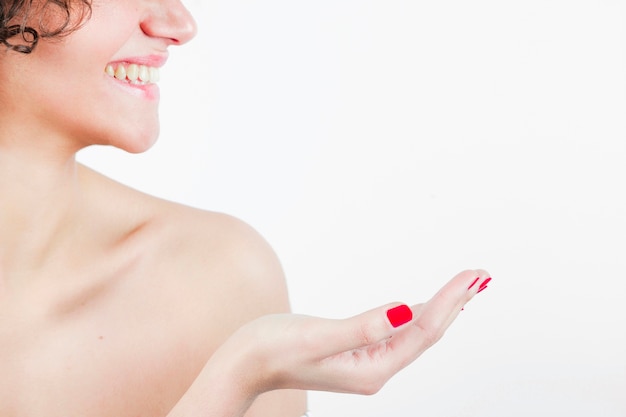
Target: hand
{"points": [[355, 355]]}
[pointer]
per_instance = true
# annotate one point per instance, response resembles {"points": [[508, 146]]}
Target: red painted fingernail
{"points": [[483, 285], [481, 289], [399, 315], [473, 283]]}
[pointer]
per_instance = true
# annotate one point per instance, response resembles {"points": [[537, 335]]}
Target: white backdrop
{"points": [[382, 146]]}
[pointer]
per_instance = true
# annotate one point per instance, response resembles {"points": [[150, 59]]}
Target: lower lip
{"points": [[144, 91]]}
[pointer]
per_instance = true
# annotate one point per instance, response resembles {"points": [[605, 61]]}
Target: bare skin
{"points": [[355, 355], [115, 303], [111, 301], [156, 309], [121, 319]]}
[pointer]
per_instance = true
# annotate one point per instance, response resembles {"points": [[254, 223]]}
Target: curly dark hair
{"points": [[16, 17]]}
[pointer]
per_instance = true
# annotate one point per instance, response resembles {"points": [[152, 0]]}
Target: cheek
{"points": [[76, 97], [88, 112], [125, 119]]}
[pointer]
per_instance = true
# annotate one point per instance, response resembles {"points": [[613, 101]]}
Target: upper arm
{"points": [[266, 293], [246, 282]]}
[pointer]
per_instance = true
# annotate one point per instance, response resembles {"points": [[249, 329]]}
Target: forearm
{"points": [[222, 389]]}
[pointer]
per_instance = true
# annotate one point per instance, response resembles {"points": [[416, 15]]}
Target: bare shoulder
{"points": [[242, 262], [192, 247], [200, 275], [246, 281], [185, 277], [224, 261]]}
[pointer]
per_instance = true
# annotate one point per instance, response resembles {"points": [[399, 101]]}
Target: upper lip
{"points": [[154, 60]]}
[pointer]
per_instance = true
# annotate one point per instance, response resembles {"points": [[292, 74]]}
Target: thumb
{"points": [[365, 329]]}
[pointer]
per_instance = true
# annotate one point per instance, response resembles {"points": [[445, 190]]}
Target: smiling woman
{"points": [[114, 302], [124, 34]]}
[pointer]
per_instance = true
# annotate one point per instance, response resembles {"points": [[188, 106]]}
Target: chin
{"points": [[139, 146], [137, 143]]}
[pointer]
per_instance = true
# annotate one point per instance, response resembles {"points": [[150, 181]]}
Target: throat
{"points": [[40, 210]]}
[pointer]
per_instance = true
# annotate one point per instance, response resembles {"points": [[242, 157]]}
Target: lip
{"points": [[155, 60], [147, 91]]}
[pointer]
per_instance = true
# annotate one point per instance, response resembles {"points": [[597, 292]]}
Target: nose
{"points": [[170, 20]]}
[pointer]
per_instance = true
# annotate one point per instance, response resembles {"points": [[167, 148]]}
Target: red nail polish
{"points": [[399, 315], [484, 285], [482, 289], [473, 283]]}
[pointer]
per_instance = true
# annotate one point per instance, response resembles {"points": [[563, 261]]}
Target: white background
{"points": [[383, 146]]}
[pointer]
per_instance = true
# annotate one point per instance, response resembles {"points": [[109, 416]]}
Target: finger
{"points": [[438, 313], [381, 357], [383, 322], [433, 318], [478, 285], [364, 329]]}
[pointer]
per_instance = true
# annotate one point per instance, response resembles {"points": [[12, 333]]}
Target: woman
{"points": [[115, 303]]}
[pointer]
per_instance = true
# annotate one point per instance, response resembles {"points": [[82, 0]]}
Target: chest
{"points": [[112, 356]]}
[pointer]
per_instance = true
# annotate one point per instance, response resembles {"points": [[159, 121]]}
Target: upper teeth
{"points": [[133, 73]]}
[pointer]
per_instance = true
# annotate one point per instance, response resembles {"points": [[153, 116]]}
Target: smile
{"points": [[133, 73]]}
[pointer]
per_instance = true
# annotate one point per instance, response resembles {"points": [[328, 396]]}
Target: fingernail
{"points": [[473, 283], [483, 285], [399, 315]]}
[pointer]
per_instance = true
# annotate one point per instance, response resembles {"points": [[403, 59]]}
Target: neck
{"points": [[40, 198]]}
